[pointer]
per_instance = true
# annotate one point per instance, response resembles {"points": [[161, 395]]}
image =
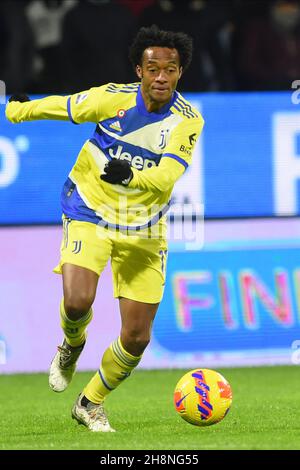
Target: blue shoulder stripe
{"points": [[185, 109], [132, 85], [186, 105], [130, 88], [122, 91], [122, 85], [182, 110], [128, 91]]}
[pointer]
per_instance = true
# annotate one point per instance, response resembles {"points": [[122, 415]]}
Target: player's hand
{"points": [[21, 97], [117, 172]]}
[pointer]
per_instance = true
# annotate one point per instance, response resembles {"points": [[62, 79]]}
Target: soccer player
{"points": [[114, 203]]}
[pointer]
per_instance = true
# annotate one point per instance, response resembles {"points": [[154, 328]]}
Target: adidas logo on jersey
{"points": [[116, 126]]}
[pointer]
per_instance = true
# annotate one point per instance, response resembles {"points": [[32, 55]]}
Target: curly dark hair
{"points": [[155, 37]]}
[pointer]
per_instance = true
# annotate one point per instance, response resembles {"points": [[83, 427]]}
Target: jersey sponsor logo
{"points": [[185, 149], [136, 161], [80, 98], [188, 149]]}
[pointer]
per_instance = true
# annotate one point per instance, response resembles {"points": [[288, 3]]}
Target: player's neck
{"points": [[151, 105]]}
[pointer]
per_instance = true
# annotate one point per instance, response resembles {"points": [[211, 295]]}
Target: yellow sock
{"points": [[75, 331], [116, 366]]}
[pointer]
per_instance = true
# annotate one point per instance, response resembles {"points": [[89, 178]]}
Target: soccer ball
{"points": [[202, 397]]}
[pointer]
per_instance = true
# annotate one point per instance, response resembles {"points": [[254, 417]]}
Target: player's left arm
{"points": [[175, 159]]}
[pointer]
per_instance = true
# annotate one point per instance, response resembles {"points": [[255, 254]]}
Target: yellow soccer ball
{"points": [[202, 397]]}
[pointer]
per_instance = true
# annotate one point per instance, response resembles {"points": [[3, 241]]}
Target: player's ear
{"points": [[139, 72], [180, 72]]}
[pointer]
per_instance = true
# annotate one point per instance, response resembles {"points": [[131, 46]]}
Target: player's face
{"points": [[159, 74]]}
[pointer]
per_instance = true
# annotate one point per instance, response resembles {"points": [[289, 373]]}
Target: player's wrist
{"points": [[19, 97]]}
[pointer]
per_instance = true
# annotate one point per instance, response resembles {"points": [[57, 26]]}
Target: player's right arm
{"points": [[78, 108]]}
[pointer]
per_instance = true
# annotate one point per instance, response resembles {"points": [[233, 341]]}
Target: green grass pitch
{"points": [[265, 413]]}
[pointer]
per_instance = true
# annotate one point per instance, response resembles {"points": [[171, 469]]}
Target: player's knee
{"points": [[135, 343], [77, 306], [141, 343]]}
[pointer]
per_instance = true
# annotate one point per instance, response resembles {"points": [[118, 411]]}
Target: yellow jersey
{"points": [[158, 146]]}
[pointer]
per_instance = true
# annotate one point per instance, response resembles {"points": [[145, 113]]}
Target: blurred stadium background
{"points": [[233, 286], [232, 294]]}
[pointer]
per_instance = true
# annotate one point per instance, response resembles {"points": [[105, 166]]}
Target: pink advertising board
{"points": [[29, 303], [30, 295]]}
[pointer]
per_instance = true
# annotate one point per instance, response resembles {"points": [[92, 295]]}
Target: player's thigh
{"points": [[139, 270], [79, 287]]}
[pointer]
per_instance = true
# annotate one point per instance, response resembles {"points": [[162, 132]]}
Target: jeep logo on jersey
{"points": [[137, 162]]}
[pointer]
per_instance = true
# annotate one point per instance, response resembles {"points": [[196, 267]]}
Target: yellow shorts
{"points": [[138, 262]]}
